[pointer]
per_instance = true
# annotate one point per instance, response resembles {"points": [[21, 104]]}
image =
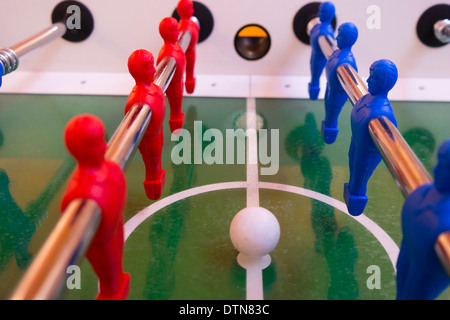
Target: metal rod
{"points": [[184, 40], [407, 170], [128, 135], [446, 30], [65, 246], [311, 24], [405, 167], [126, 138], [68, 242], [9, 57], [40, 39], [327, 45], [352, 83], [442, 30], [164, 72], [185, 37]]}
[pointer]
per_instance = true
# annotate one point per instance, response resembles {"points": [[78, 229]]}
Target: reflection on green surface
{"points": [[305, 144], [164, 237], [166, 230], [164, 256], [183, 251], [35, 167], [21, 219], [17, 226], [423, 144]]}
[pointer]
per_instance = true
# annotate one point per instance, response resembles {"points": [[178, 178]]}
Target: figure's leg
{"points": [[334, 101], [190, 65], [362, 166], [175, 96], [402, 270], [422, 285], [318, 62], [106, 259], [351, 154], [151, 151], [342, 267]]}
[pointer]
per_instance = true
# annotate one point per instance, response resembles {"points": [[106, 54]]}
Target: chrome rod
{"points": [[65, 246], [352, 83], [311, 25], [164, 72], [446, 30], [126, 138], [442, 30], [40, 39], [405, 167], [407, 170], [128, 135], [327, 45], [9, 57], [69, 241], [184, 40]]}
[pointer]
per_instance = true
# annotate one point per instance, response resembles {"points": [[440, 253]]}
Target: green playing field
{"points": [[179, 247]]}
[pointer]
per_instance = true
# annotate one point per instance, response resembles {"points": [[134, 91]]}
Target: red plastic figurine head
{"points": [[84, 136], [185, 9], [141, 66], [168, 29]]}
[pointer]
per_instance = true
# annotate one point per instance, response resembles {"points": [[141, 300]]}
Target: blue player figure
{"points": [[425, 215], [363, 155], [335, 95], [318, 59]]}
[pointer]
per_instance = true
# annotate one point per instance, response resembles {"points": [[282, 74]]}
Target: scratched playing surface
{"points": [[183, 250]]}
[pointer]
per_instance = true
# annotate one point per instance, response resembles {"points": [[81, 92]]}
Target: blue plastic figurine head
{"points": [[383, 76], [347, 36], [326, 12], [442, 169]]}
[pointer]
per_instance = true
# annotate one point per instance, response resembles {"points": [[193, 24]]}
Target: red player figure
{"points": [[168, 28], [141, 67], [104, 182], [185, 9]]}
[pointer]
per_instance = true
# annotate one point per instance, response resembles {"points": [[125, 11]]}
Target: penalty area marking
{"points": [[385, 240]]}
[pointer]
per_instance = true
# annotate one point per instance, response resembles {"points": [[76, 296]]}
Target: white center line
{"points": [[382, 236], [252, 155], [254, 278]]}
